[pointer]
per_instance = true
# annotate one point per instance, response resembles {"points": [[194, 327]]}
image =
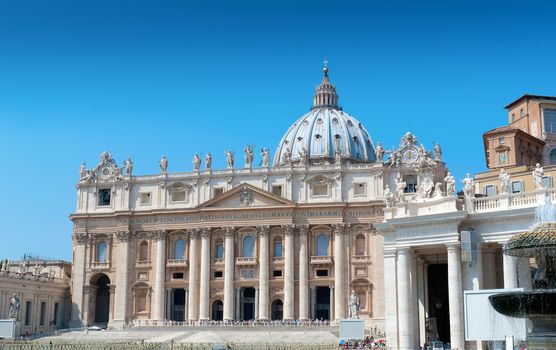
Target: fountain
{"points": [[539, 304]]}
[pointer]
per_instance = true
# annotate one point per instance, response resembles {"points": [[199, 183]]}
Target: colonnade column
{"points": [[510, 271], [390, 302], [303, 274], [455, 296], [160, 274], [204, 283], [193, 276], [288, 273], [79, 305], [406, 322], [256, 315], [229, 274], [238, 302], [264, 267], [122, 278], [313, 301], [332, 303], [339, 272]]}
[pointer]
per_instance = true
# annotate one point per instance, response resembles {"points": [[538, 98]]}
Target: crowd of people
{"points": [[369, 343], [232, 323]]}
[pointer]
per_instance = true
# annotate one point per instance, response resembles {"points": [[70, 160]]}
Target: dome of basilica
{"points": [[326, 134]]}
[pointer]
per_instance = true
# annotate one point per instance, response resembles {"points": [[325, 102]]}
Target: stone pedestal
{"points": [[9, 329], [352, 329]]}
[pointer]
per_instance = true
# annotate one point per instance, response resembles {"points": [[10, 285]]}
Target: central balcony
{"points": [[100, 265], [321, 260], [143, 264], [246, 261], [176, 263], [361, 259]]}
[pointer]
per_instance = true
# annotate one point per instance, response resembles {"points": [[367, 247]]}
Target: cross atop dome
{"points": [[325, 94]]}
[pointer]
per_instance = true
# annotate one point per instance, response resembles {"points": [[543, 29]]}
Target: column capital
{"points": [[288, 229], [263, 230], [340, 229], [80, 238], [159, 235], [193, 233], [453, 246], [303, 229], [204, 232], [123, 236], [229, 231]]}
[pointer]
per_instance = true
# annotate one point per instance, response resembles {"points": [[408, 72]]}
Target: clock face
{"points": [[105, 172], [410, 155]]}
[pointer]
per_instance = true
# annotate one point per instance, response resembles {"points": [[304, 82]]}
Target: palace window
{"points": [[141, 300], [42, 314], [145, 198], [143, 251], [411, 185], [28, 313], [553, 156], [248, 246], [56, 311], [277, 190], [218, 274], [550, 121], [177, 275], [179, 249], [219, 249], [502, 158], [547, 181], [320, 190], [101, 252], [360, 245], [277, 273], [501, 141], [517, 186], [322, 245], [178, 197], [104, 197], [278, 247], [489, 190], [521, 112], [321, 273], [359, 189]]}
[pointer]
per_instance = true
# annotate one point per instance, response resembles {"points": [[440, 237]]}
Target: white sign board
{"points": [[7, 329], [482, 322], [352, 329]]}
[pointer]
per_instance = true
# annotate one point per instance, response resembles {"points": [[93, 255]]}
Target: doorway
{"points": [[322, 305], [178, 305], [248, 304], [277, 310], [102, 299], [438, 323], [218, 310]]}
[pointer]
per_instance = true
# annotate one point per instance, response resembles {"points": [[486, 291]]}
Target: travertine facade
{"points": [[288, 240]]}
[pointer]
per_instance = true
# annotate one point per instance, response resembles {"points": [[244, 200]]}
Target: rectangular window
{"points": [[177, 275], [490, 190], [322, 273], [217, 191], [513, 117], [502, 158], [218, 274], [359, 189], [104, 197], [56, 310], [521, 112], [277, 190], [547, 181], [219, 251], [43, 314], [141, 300], [320, 190], [278, 249], [501, 140], [277, 273], [517, 186], [411, 185], [28, 313], [550, 121], [178, 197], [145, 198]]}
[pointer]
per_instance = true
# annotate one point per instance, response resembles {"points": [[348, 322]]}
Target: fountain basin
{"points": [[525, 304]]}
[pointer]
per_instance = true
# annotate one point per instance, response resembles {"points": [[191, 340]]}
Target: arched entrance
{"points": [[322, 303], [217, 310], [102, 298], [277, 310], [248, 304]]}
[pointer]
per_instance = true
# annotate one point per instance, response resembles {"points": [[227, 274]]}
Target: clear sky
{"points": [[147, 78]]}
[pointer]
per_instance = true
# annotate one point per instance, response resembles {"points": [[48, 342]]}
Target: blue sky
{"points": [[146, 78]]}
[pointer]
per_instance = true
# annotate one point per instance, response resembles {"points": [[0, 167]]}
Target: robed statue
{"points": [[14, 307], [354, 305]]}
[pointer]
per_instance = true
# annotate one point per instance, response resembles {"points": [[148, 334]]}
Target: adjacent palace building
{"points": [[288, 240]]}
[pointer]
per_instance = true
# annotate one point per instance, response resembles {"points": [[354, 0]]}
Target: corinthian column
{"points": [[79, 305], [288, 273], [264, 267], [229, 274], [205, 275], [405, 305], [160, 269], [339, 272], [303, 274], [193, 276], [122, 279], [455, 296]]}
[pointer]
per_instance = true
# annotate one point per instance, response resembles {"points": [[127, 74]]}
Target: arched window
{"points": [[248, 246], [278, 247], [553, 156], [219, 249], [179, 249], [360, 245], [144, 251], [101, 252], [322, 245]]}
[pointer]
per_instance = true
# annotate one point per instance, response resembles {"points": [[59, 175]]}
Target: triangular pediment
{"points": [[246, 196]]}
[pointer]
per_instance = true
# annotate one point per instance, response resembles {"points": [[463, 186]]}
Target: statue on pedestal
{"points": [[208, 161], [437, 152], [163, 165], [450, 185], [388, 197], [196, 162], [379, 153], [538, 174], [468, 186], [128, 166], [229, 159], [304, 155], [14, 307], [354, 305], [248, 152], [266, 157], [504, 178], [399, 195], [287, 156]]}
